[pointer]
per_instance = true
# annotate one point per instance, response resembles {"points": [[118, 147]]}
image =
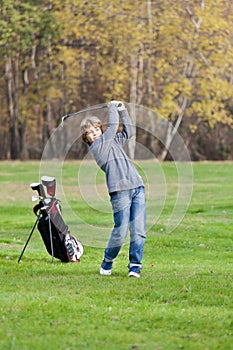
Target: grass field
{"points": [[183, 300]]}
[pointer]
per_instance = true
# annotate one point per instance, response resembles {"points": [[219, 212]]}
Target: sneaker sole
{"points": [[134, 274], [105, 272]]}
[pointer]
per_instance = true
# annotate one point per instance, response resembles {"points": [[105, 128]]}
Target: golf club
{"points": [[89, 109], [50, 184], [37, 186]]}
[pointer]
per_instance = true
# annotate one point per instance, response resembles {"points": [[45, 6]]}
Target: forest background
{"points": [[173, 57]]}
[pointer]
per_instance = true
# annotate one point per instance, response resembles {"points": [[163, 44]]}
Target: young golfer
{"points": [[125, 185]]}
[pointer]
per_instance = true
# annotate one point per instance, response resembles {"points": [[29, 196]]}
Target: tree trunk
{"points": [[48, 130], [172, 130], [133, 100], [12, 110], [149, 77]]}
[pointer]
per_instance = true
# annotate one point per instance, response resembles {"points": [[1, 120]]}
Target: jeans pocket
{"points": [[120, 201]]}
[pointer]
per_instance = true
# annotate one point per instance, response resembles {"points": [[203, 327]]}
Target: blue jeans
{"points": [[129, 211]]}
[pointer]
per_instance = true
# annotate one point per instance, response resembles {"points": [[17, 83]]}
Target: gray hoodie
{"points": [[109, 154]]}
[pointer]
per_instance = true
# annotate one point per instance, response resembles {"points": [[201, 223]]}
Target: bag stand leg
{"points": [[29, 237], [51, 239]]}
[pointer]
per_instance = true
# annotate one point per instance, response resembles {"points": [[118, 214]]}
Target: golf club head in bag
{"points": [[37, 186], [50, 184]]}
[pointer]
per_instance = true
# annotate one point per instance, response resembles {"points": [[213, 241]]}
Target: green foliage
{"points": [[23, 23], [76, 53], [183, 299]]}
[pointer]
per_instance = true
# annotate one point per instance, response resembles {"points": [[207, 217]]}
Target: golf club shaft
{"points": [[89, 109]]}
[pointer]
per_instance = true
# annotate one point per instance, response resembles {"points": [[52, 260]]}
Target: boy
{"points": [[125, 186]]}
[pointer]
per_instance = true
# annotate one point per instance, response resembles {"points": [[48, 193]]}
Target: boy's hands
{"points": [[119, 105]]}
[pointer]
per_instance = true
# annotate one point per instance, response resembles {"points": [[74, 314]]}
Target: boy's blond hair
{"points": [[87, 123]]}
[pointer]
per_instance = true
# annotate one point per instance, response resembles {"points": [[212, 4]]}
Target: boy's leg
{"points": [[137, 231], [121, 212]]}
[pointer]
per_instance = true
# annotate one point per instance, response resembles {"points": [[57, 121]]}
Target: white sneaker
{"points": [[134, 274], [105, 272]]}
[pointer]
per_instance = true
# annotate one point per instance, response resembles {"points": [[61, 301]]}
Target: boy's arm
{"points": [[128, 129], [100, 148]]}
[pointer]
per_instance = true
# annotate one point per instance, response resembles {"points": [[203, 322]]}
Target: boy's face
{"points": [[93, 134]]}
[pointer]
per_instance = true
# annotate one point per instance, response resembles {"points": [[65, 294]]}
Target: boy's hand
{"points": [[119, 105]]}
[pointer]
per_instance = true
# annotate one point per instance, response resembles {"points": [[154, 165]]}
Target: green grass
{"points": [[183, 300]]}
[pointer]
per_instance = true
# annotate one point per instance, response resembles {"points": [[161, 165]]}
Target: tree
{"points": [[26, 26], [193, 57]]}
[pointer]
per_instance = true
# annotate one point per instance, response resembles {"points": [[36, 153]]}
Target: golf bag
{"points": [[53, 230], [56, 237]]}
